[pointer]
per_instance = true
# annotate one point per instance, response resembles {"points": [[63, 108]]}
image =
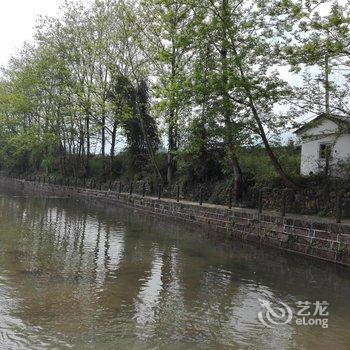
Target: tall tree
{"points": [[245, 33], [320, 51], [166, 41]]}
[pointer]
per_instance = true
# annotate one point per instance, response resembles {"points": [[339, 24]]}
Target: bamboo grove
{"points": [[166, 82]]}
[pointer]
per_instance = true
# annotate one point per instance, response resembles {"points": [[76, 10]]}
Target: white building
{"points": [[325, 145]]}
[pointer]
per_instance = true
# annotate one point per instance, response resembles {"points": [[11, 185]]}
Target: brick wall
{"points": [[312, 236]]}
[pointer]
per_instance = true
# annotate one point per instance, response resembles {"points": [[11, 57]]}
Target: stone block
{"points": [[322, 254], [297, 231]]}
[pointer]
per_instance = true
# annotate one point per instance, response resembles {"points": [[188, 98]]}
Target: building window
{"points": [[325, 150]]}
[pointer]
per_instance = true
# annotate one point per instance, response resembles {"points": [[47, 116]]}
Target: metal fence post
{"points": [[178, 194], [260, 201], [201, 197], [130, 188], [339, 207], [159, 191], [284, 203], [230, 198]]}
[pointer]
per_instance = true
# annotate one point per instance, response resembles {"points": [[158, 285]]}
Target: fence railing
{"points": [[285, 201]]}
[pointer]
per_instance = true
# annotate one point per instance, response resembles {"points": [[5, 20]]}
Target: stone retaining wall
{"points": [[310, 236], [310, 201]]}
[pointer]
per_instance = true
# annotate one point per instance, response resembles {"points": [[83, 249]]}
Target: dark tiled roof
{"points": [[335, 117], [342, 118]]}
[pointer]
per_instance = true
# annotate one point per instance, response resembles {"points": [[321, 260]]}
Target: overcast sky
{"points": [[17, 22], [18, 19]]}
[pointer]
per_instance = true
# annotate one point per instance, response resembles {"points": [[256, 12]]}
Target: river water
{"points": [[77, 277]]}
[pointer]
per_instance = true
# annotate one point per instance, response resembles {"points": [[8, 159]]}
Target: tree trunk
{"points": [[112, 152], [87, 125], [149, 146], [172, 133], [171, 163], [229, 142], [326, 85], [103, 136], [274, 161], [239, 185]]}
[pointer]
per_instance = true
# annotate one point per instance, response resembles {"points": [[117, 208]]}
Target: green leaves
{"points": [[211, 66]]}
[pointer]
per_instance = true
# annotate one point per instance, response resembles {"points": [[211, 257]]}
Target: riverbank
{"points": [[307, 235]]}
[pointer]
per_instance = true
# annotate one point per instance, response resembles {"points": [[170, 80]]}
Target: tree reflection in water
{"points": [[82, 277]]}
